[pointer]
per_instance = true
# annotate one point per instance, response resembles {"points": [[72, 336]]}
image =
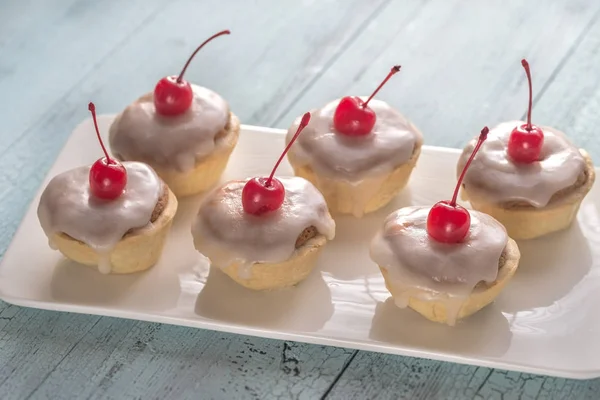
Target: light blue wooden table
{"points": [[460, 71]]}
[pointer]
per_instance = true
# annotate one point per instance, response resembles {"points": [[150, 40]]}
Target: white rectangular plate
{"points": [[546, 321]]}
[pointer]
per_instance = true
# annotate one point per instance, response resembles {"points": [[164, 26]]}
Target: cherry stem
{"points": [[305, 120], [92, 109], [482, 137], [394, 69], [525, 65], [180, 77]]}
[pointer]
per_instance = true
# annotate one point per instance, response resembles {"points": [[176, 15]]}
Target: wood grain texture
{"points": [[250, 73], [569, 99], [49, 355], [460, 72], [460, 62], [45, 54], [120, 360], [46, 354], [418, 379]]}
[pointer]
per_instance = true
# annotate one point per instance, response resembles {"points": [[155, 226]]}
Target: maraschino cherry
{"points": [[353, 117], [525, 141], [262, 195], [108, 177], [172, 94], [448, 222]]}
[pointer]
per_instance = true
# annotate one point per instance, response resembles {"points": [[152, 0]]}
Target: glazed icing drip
{"points": [[390, 144], [171, 142], [226, 234], [420, 267], [496, 178], [66, 206]]}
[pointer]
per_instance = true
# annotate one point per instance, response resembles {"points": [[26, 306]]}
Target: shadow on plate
{"points": [[186, 212], [484, 334], [549, 269], [356, 234], [83, 285], [303, 308], [589, 220]]}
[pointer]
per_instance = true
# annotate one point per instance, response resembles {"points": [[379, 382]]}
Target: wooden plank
{"points": [[460, 62], [50, 355], [32, 343], [118, 359], [274, 44], [109, 345], [250, 72], [45, 54], [569, 99], [380, 376], [570, 102]]}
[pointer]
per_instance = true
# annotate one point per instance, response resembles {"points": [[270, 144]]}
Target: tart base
{"points": [[268, 276], [482, 295], [207, 172], [137, 251], [527, 222], [341, 195]]}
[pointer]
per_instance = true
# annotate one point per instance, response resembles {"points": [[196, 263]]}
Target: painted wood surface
{"points": [[460, 71]]}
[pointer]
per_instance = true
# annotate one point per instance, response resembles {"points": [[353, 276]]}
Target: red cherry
{"points": [[261, 195], [172, 94], [448, 222], [353, 117], [258, 197], [526, 141], [525, 146], [108, 177]]}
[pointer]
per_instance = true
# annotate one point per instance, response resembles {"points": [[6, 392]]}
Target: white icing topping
{"points": [[172, 142], [67, 206], [418, 266], [225, 233], [390, 144], [495, 177]]}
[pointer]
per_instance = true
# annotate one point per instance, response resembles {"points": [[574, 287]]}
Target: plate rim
{"points": [[303, 337], [226, 327]]}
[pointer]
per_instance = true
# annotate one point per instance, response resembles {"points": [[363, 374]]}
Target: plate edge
{"points": [[302, 338], [252, 331]]}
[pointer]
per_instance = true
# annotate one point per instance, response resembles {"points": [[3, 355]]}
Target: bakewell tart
{"points": [[359, 152], [444, 262], [264, 232], [530, 178], [112, 215], [185, 132]]}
